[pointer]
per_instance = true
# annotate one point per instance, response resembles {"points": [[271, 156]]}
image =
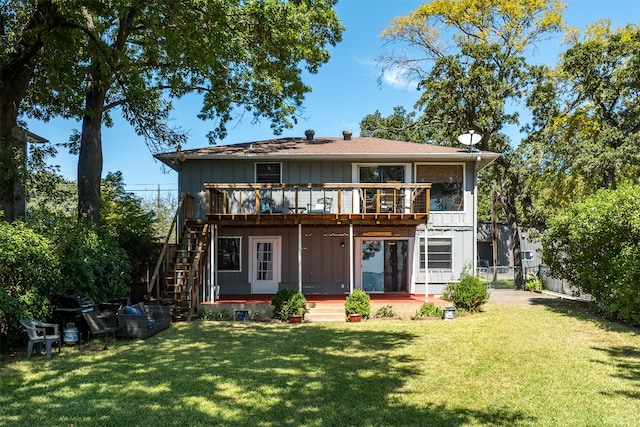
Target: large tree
{"points": [[468, 58], [241, 55], [26, 27], [586, 129]]}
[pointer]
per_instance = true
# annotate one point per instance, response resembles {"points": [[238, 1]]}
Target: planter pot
{"points": [[295, 318], [355, 317]]}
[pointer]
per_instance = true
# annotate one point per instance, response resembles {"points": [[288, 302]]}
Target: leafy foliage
{"points": [[30, 277], [595, 245], [279, 302], [385, 311], [358, 302], [591, 97], [469, 294], [133, 228], [429, 309]]}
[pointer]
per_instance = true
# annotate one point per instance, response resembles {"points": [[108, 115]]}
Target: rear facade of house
{"points": [[327, 216]]}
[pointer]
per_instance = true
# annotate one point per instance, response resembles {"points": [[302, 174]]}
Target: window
{"points": [[268, 173], [447, 186], [439, 254], [381, 174], [527, 255], [229, 253]]}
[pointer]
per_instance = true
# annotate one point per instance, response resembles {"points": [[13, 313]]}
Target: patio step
{"points": [[325, 313]]}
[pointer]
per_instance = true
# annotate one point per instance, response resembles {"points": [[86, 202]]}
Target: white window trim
{"points": [[426, 248]]}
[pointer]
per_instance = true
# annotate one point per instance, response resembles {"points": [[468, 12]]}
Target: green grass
{"points": [[510, 365]]}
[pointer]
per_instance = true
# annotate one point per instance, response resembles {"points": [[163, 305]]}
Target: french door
{"points": [[264, 264]]}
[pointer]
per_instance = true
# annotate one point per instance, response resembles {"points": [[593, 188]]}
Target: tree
{"points": [[595, 245], [26, 27], [242, 56], [470, 65], [586, 129]]}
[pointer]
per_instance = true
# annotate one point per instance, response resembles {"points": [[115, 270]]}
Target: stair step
{"points": [[325, 313]]}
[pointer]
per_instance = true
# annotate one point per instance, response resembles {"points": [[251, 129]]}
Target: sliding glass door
{"points": [[384, 265]]}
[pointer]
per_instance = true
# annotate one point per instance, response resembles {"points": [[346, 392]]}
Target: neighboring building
{"points": [[531, 250], [19, 197], [329, 215]]}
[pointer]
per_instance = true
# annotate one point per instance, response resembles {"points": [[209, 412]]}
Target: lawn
{"points": [[532, 365]]}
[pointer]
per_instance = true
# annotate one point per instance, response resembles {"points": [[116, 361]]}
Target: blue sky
{"points": [[344, 91]]}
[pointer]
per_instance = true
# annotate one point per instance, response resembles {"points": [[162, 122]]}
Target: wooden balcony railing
{"points": [[334, 200]]}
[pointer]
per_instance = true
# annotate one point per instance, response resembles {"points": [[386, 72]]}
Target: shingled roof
{"points": [[329, 148]]}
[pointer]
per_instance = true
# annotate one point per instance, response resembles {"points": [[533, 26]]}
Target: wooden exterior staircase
{"points": [[178, 275]]}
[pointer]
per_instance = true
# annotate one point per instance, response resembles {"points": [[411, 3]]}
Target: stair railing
{"points": [[194, 280], [185, 210]]}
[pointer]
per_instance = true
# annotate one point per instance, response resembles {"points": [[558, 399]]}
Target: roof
{"points": [[329, 148]]}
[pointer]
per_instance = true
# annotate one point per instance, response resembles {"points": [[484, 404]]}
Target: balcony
{"points": [[321, 204]]}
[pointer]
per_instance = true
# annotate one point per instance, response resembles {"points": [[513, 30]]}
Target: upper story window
{"points": [[447, 185], [268, 173], [381, 174]]}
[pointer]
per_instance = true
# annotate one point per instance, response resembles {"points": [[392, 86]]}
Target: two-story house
{"points": [[327, 215]]}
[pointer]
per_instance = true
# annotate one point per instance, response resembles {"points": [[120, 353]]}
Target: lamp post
{"points": [[470, 139]]}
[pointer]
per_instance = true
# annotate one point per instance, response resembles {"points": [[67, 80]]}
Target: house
{"points": [[19, 198], [323, 216]]}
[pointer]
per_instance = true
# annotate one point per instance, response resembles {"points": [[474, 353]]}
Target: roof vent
{"points": [[347, 135], [309, 134]]}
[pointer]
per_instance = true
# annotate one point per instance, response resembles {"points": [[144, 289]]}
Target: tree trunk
{"points": [[509, 205], [90, 158], [494, 232]]}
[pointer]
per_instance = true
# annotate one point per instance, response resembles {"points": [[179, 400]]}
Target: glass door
{"points": [[264, 266], [384, 265]]}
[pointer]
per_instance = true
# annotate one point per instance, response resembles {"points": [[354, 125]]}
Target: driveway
{"points": [[512, 296]]}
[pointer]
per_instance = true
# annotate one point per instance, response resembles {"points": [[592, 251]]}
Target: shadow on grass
{"points": [[231, 374], [627, 363]]}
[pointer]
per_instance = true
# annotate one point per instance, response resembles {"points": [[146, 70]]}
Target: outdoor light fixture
{"points": [[469, 139]]}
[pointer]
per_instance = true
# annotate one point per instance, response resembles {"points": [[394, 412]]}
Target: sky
{"points": [[345, 90]]}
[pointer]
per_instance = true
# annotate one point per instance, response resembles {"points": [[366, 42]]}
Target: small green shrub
{"points": [[429, 309], [358, 303], [297, 305], [534, 284], [469, 294], [287, 302], [279, 302], [385, 311]]}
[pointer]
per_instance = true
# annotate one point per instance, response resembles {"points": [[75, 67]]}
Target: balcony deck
{"points": [[318, 204]]}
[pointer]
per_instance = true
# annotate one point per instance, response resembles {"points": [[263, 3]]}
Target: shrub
{"points": [[279, 301], [429, 309], [29, 276], [358, 303], [534, 284], [469, 294], [297, 305], [595, 245], [385, 311]]}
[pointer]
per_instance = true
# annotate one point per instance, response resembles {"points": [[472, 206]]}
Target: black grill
{"points": [[69, 309]]}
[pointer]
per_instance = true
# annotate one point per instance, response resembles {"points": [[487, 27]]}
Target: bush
{"points": [[297, 305], [29, 277], [279, 301], [534, 284], [358, 303], [469, 294], [385, 311], [595, 245], [429, 309]]}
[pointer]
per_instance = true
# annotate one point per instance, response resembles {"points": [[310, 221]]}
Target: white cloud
{"points": [[399, 79]]}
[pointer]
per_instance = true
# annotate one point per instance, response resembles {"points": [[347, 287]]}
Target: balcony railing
{"points": [[334, 200]]}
